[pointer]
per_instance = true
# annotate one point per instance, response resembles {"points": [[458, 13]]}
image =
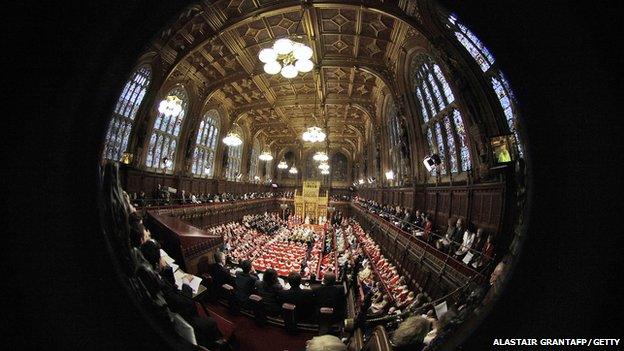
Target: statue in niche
{"points": [[404, 148], [377, 165], [188, 153], [365, 158], [224, 163], [339, 167]]}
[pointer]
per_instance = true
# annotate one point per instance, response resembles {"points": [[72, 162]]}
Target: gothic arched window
{"points": [[234, 157], [125, 112], [165, 133], [442, 122], [487, 63], [206, 145], [253, 161]]}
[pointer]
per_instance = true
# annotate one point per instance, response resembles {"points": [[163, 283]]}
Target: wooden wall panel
{"points": [[486, 209], [432, 202], [459, 204], [443, 210], [408, 199], [419, 200]]}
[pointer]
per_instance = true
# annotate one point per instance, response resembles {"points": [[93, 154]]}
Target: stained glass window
{"points": [[439, 141], [234, 157], [462, 139], [452, 151], [486, 61], [165, 134], [448, 93], [433, 86], [423, 108], [505, 97], [206, 145], [125, 111], [437, 104], [473, 45]]}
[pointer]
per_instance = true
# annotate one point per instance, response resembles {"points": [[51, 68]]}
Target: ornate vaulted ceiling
{"points": [[355, 48]]}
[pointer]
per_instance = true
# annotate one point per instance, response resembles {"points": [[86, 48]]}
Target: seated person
{"points": [[268, 288], [296, 296], [445, 243], [410, 334], [487, 252], [467, 241], [329, 294], [325, 343], [220, 275], [439, 325], [409, 299], [245, 283], [380, 305]]}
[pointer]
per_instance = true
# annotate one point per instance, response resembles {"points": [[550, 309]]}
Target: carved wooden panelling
{"points": [[486, 209], [459, 202]]}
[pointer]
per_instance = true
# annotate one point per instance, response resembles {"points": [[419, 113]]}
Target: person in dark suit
{"points": [[220, 275], [206, 330], [458, 234], [268, 288], [245, 283], [328, 294], [297, 296]]}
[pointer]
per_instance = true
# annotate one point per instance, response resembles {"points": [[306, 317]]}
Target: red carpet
{"points": [[250, 337]]}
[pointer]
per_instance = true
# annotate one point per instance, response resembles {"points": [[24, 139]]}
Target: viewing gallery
{"points": [[314, 175]]}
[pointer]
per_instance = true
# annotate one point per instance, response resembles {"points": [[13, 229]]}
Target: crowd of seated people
{"points": [[158, 275], [474, 248], [386, 291], [340, 198], [380, 277], [273, 290], [402, 217], [267, 224], [162, 196], [282, 245]]}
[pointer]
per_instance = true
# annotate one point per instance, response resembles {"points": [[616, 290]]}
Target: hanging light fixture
{"points": [[390, 175], [170, 106], [282, 165], [232, 139], [323, 166], [325, 171], [320, 156], [293, 170], [265, 156], [287, 57], [314, 135]]}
